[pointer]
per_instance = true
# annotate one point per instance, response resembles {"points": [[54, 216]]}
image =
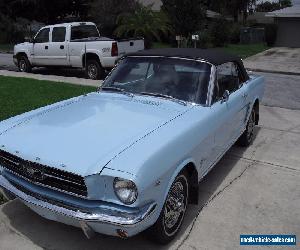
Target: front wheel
{"points": [[170, 219], [247, 137], [94, 70], [24, 64]]}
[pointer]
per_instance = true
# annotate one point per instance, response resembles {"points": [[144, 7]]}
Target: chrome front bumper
{"points": [[107, 216]]}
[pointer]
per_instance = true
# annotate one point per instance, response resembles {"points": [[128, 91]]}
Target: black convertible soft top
{"points": [[213, 56]]}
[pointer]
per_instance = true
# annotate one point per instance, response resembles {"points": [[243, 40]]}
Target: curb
{"points": [[274, 71], [53, 78], [6, 52]]}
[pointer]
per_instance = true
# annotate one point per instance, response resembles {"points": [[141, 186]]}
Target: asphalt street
{"points": [[6, 62], [254, 190]]}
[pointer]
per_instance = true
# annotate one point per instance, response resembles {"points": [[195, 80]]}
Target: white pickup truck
{"points": [[76, 45]]}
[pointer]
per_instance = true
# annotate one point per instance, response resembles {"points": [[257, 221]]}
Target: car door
{"points": [[229, 110], [58, 50], [41, 47]]}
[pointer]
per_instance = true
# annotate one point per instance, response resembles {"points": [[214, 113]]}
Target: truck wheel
{"points": [[23, 64], [170, 219], [94, 70], [247, 137]]}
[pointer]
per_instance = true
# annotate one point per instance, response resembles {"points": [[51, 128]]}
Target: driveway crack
{"points": [[263, 162]]}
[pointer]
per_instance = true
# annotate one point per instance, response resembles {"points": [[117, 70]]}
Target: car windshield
{"points": [[181, 79]]}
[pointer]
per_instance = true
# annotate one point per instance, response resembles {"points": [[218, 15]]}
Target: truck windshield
{"points": [[84, 31], [185, 80]]}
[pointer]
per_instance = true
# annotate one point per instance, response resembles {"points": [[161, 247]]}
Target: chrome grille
{"points": [[44, 175]]}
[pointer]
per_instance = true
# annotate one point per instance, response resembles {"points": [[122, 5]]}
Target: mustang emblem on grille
{"points": [[34, 173]]}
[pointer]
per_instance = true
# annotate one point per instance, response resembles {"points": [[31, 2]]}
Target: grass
{"points": [[18, 95], [245, 50], [6, 47]]}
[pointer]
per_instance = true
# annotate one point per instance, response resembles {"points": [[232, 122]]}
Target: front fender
{"points": [[23, 48]]}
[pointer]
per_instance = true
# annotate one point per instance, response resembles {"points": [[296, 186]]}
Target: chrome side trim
{"points": [[103, 216]]}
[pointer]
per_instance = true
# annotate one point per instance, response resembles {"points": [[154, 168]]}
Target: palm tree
{"points": [[144, 22]]}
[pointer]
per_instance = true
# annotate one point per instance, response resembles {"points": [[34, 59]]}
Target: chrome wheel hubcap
{"points": [[175, 205], [22, 65], [251, 124], [92, 71]]}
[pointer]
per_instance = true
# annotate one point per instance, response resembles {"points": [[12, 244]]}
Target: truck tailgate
{"points": [[126, 46]]}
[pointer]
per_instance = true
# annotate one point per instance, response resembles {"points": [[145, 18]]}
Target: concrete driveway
{"points": [[251, 191], [276, 60]]}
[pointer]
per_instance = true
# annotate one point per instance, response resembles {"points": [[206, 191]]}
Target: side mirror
{"points": [[225, 96], [28, 40]]}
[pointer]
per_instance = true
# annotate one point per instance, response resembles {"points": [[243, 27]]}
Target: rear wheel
{"points": [[170, 219], [24, 64], [94, 70], [247, 137]]}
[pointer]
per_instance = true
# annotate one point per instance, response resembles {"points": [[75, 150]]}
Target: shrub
{"points": [[144, 22], [205, 40], [271, 33], [13, 31], [234, 35], [219, 32]]}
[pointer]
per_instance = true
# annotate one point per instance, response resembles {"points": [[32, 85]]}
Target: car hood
{"points": [[22, 44], [82, 136]]}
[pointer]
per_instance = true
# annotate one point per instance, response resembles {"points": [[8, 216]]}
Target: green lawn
{"points": [[18, 95], [245, 50], [6, 47], [159, 45]]}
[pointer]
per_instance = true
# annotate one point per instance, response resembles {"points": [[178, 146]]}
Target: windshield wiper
{"points": [[165, 96], [115, 89]]}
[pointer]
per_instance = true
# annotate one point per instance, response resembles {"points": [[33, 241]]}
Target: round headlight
{"points": [[125, 190]]}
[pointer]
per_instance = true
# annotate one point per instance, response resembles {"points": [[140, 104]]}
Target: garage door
{"points": [[288, 34]]}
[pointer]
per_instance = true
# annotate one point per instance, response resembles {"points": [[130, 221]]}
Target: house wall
{"points": [[260, 17], [156, 4]]}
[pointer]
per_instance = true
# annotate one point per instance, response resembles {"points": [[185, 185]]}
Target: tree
{"points": [[285, 3], [219, 32], [105, 13], [272, 6], [186, 16], [143, 23], [233, 7], [45, 11]]}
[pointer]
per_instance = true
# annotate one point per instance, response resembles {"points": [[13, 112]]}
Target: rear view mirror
{"points": [[225, 96]]}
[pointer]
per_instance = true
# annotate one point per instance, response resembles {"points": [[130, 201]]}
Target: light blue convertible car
{"points": [[129, 157]]}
